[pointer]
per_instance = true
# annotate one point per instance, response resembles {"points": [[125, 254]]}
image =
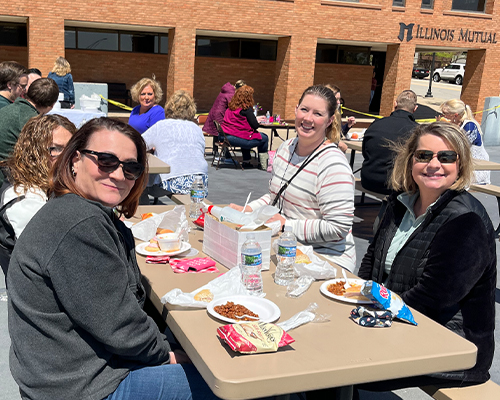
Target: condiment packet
{"points": [[299, 286], [254, 337], [303, 317], [371, 318], [386, 299], [319, 269]]}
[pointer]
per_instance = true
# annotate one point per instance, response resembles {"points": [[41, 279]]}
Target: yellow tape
{"points": [[359, 112], [116, 103]]}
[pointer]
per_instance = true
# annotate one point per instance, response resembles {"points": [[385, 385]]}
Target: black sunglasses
{"points": [[444, 157], [108, 163]]}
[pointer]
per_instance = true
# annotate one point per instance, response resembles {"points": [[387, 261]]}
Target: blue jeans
{"points": [[246, 145], [163, 382]]}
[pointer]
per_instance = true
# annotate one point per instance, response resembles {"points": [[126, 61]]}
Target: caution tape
{"points": [[116, 103]]}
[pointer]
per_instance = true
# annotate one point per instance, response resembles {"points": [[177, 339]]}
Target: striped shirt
{"points": [[319, 202]]}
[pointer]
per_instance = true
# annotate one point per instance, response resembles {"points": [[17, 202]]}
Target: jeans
{"points": [[163, 382], [246, 145]]}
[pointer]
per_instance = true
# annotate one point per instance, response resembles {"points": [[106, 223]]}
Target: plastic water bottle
{"points": [[268, 117], [251, 265], [198, 192], [230, 215], [287, 248]]}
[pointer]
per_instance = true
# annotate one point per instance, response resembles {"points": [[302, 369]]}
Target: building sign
{"points": [[444, 35]]}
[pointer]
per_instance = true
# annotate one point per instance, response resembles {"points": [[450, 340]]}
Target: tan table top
{"points": [[157, 166], [331, 354]]}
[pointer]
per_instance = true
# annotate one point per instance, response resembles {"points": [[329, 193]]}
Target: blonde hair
{"points": [[180, 106], [337, 122], [61, 67], [136, 90], [457, 106], [401, 177]]}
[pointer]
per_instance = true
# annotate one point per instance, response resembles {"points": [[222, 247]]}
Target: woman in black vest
{"points": [[436, 247]]}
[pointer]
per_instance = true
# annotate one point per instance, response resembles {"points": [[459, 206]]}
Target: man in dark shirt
{"points": [[378, 157], [13, 82]]}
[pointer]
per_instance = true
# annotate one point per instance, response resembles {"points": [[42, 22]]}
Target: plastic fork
{"points": [[246, 316], [346, 285]]}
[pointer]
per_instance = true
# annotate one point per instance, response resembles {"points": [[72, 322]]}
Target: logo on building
{"points": [[409, 31]]}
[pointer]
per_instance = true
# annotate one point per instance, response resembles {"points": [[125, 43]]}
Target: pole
{"points": [[431, 76]]}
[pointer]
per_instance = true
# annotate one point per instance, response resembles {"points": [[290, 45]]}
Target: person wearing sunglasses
{"points": [[40, 142], [457, 112], [76, 319], [435, 247]]}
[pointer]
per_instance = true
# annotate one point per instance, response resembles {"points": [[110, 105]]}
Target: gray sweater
{"points": [[75, 304]]}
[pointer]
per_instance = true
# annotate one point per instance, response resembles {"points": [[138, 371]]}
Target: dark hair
{"points": [[10, 71], [43, 92], [35, 71], [62, 180], [243, 98], [239, 84], [328, 95]]}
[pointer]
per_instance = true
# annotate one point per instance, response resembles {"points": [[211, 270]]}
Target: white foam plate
{"points": [[324, 289], [265, 309], [141, 249]]}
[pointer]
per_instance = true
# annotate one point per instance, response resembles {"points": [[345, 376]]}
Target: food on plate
{"points": [[152, 246], [159, 231], [354, 136], [146, 216], [301, 258], [336, 288], [204, 295], [354, 292], [254, 337], [233, 311]]}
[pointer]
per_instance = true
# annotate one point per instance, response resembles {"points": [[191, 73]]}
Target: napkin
{"points": [[157, 259], [193, 265], [175, 220], [318, 269]]}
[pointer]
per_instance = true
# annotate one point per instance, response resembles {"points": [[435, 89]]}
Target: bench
{"points": [[486, 391], [491, 190], [119, 91], [357, 186]]}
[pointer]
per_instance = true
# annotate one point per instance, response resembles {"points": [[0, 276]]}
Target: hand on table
{"points": [[179, 357], [261, 119], [240, 208], [351, 121], [277, 217]]}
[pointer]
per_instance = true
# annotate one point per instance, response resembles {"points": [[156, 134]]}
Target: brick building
{"points": [[278, 46]]}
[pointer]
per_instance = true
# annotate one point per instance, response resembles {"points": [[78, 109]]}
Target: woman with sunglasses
{"points": [[76, 321], [435, 247]]}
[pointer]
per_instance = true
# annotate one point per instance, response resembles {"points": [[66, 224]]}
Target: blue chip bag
{"points": [[386, 299]]}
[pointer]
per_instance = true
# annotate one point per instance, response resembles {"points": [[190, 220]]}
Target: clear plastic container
{"points": [[286, 251]]}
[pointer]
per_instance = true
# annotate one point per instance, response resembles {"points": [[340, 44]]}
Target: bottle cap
{"points": [[250, 235], [210, 209]]}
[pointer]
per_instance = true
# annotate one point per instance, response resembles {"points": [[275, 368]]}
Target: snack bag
{"points": [[386, 299], [254, 337]]}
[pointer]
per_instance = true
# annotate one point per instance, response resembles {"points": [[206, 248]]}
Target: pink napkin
{"points": [[193, 265], [157, 259]]}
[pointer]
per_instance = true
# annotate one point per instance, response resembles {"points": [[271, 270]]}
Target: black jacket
{"points": [[378, 158], [446, 270]]}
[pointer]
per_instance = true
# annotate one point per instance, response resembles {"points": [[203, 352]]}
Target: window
{"points": [[333, 54], [429, 4], [13, 34], [100, 39], [398, 3], [468, 5], [254, 49]]}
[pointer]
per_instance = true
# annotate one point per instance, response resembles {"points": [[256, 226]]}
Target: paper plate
{"points": [[141, 249], [265, 309], [324, 289]]}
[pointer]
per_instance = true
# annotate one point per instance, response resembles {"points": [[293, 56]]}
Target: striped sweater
{"points": [[319, 203]]}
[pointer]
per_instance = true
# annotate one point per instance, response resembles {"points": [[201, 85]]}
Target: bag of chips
{"points": [[386, 299], [254, 337]]}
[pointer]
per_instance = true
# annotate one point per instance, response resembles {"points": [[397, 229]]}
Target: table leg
{"points": [[353, 155]]}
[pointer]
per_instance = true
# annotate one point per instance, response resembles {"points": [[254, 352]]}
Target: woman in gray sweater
{"points": [[76, 321]]}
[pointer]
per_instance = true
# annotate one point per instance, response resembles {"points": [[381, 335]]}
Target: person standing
{"points": [[378, 157], [13, 82], [147, 92], [61, 74]]}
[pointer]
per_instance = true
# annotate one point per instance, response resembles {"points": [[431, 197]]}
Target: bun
{"points": [[160, 231], [301, 258], [354, 292], [204, 295]]}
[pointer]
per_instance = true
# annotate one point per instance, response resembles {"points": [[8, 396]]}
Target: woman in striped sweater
{"points": [[318, 203]]}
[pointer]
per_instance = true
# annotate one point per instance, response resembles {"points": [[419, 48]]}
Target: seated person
{"points": [[179, 142], [378, 156], [319, 202], [458, 113], [42, 139], [147, 92], [76, 319], [435, 247], [240, 126]]}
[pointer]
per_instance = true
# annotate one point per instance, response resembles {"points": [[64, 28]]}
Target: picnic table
{"points": [[157, 166], [329, 354], [274, 131]]}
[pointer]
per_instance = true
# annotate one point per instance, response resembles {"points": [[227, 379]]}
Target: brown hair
{"points": [[30, 162], [43, 92], [180, 106], [328, 95], [337, 122], [136, 90], [62, 180], [243, 98], [401, 178], [61, 67], [407, 100], [10, 71]]}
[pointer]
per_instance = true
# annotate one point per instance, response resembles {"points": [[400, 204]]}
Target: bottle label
{"points": [[252, 260], [198, 194], [287, 251]]}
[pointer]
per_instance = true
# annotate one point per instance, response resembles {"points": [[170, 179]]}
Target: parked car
{"points": [[420, 72], [451, 73]]}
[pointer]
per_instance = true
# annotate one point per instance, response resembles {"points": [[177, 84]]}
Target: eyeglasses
{"points": [[108, 163], [444, 157], [22, 86], [55, 150]]}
